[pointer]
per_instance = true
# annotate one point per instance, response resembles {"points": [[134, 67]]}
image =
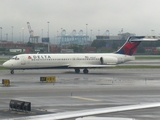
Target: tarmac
{"points": [[98, 89]]}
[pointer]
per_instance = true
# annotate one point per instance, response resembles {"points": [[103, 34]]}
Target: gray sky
{"points": [[134, 16]]}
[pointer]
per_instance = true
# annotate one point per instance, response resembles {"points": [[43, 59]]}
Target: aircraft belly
{"points": [[44, 64]]}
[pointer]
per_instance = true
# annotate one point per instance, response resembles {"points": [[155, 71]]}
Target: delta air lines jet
{"points": [[78, 61]]}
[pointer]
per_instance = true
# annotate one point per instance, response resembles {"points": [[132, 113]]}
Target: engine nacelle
{"points": [[108, 60]]}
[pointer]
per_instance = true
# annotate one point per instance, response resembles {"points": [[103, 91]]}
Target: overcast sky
{"points": [[135, 16]]}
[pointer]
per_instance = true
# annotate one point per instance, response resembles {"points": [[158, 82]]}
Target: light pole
{"points": [[86, 32], [61, 39], [42, 33], [48, 29], [23, 34], [1, 32], [12, 33], [48, 37], [57, 37], [20, 36], [91, 36]]}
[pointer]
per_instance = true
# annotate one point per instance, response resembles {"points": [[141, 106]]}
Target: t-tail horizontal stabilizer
{"points": [[143, 38]]}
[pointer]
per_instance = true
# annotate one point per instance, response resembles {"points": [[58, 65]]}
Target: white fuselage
{"points": [[33, 61]]}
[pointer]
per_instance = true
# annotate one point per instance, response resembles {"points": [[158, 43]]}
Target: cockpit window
{"points": [[15, 58]]}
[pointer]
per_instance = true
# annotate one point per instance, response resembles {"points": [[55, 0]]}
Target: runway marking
{"points": [[83, 98]]}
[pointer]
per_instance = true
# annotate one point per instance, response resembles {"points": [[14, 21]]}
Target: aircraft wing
{"points": [[103, 118], [81, 113], [90, 66]]}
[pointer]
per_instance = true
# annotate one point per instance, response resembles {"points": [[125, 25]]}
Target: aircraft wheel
{"points": [[77, 70], [85, 71], [12, 71]]}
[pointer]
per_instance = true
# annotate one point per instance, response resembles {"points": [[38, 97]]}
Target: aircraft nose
{"points": [[5, 64]]}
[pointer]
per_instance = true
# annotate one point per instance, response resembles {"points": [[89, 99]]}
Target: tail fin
{"points": [[132, 43]]}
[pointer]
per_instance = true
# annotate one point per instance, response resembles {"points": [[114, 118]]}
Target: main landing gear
{"points": [[85, 71], [12, 71], [77, 70]]}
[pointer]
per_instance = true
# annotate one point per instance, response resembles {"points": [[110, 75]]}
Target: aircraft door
{"points": [[23, 61]]}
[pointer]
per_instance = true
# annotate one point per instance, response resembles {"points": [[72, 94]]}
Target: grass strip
{"points": [[137, 66], [147, 58]]}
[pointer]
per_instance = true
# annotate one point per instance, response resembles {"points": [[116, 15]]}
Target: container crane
{"points": [[32, 38]]}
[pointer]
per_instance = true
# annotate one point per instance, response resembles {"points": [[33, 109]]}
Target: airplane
{"points": [[78, 61], [88, 114]]}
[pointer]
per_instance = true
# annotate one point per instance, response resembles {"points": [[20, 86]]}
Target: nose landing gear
{"points": [[12, 72]]}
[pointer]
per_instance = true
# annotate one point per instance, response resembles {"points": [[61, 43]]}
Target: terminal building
{"points": [[118, 39]]}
